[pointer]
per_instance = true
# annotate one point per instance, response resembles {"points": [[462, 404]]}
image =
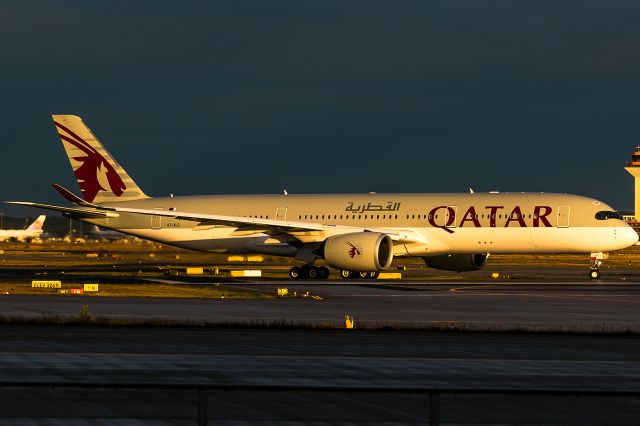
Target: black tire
{"points": [[295, 272], [323, 272], [362, 275], [594, 274], [313, 273], [374, 275], [344, 274]]}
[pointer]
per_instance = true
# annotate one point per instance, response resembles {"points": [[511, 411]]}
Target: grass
{"points": [[85, 318]]}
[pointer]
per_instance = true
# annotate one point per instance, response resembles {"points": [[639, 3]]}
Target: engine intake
{"points": [[457, 262], [359, 252]]}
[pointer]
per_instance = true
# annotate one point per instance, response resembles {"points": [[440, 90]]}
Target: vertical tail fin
{"points": [[37, 224], [99, 175]]}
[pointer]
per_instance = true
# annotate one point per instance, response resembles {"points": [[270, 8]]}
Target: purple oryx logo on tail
{"points": [[95, 173]]}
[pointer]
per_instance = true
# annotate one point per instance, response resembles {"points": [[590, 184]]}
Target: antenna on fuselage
{"points": [[285, 192], [471, 191]]}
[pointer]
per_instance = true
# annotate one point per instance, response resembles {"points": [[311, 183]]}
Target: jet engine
{"points": [[457, 262], [359, 252]]}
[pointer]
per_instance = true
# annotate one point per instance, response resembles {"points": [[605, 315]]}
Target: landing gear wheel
{"points": [[363, 275], [312, 272], [347, 275], [323, 272], [374, 275], [295, 272], [594, 274]]}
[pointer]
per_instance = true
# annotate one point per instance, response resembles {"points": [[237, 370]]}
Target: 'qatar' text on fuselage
{"points": [[538, 218]]}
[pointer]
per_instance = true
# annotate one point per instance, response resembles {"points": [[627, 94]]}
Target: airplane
{"points": [[33, 231], [358, 234], [108, 235]]}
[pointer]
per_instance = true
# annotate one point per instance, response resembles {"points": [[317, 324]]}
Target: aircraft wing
{"points": [[241, 221], [248, 224], [272, 226], [214, 219]]}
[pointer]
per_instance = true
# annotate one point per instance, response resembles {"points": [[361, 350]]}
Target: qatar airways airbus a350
{"points": [[358, 234]]}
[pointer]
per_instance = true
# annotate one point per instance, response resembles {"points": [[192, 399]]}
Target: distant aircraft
{"points": [[359, 234], [108, 235], [33, 231]]}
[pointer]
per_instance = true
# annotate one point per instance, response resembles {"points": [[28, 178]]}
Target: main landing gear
{"points": [[351, 275], [309, 272], [596, 261]]}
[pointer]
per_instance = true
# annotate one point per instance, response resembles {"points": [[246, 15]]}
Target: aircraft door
{"points": [[281, 213], [446, 216], [563, 216], [156, 221]]}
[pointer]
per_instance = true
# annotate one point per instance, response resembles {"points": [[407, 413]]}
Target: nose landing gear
{"points": [[596, 261]]}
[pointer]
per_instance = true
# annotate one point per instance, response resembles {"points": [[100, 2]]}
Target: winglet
{"points": [[70, 196]]}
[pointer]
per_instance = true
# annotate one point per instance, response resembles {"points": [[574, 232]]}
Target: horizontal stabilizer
{"points": [[71, 210]]}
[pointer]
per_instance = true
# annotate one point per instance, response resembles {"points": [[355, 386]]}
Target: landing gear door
{"points": [[563, 216], [156, 221]]}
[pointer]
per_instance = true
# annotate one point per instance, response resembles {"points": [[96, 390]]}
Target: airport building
{"points": [[633, 167]]}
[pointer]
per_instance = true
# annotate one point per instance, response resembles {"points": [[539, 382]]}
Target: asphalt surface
{"points": [[362, 359], [500, 305], [359, 359]]}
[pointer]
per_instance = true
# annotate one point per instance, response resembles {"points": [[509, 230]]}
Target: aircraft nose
{"points": [[630, 236]]}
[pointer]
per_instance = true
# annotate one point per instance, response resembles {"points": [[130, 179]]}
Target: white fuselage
{"points": [[19, 234], [429, 224]]}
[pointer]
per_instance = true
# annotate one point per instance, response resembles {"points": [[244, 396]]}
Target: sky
{"points": [[206, 97]]}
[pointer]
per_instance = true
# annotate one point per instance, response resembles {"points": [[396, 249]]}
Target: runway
{"points": [[529, 306], [422, 341]]}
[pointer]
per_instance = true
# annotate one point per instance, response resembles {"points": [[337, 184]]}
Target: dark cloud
{"points": [[254, 96]]}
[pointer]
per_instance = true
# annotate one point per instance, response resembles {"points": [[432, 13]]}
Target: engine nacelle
{"points": [[359, 251], [457, 262]]}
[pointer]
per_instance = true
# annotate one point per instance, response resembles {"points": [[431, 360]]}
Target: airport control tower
{"points": [[633, 167]]}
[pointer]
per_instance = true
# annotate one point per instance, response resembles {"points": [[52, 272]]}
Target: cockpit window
{"points": [[604, 215]]}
